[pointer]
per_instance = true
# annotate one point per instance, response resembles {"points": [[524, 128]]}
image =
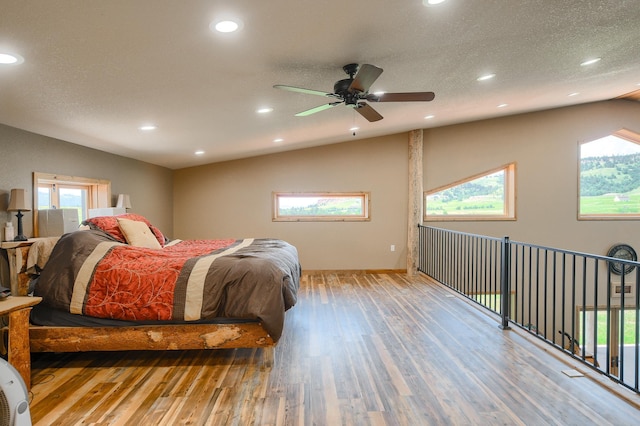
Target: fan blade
{"points": [[365, 77], [402, 97], [317, 109], [368, 112], [305, 91]]}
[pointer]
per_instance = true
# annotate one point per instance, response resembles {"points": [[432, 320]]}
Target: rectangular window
{"points": [[487, 196], [69, 192], [320, 206]]}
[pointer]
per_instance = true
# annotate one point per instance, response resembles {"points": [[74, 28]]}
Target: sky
{"points": [[607, 146]]}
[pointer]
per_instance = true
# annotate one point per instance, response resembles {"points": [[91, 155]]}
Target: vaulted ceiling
{"points": [[93, 72]]}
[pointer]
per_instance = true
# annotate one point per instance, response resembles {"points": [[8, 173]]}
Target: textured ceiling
{"points": [[95, 70]]}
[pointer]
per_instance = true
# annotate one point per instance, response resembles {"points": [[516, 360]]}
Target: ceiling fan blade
{"points": [[306, 91], [368, 112], [365, 77], [402, 97], [317, 109]]}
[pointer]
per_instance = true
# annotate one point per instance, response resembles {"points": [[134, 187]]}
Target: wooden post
{"points": [[415, 199], [19, 354]]}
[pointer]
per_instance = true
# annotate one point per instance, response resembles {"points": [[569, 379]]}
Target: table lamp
{"points": [[18, 204], [124, 201]]}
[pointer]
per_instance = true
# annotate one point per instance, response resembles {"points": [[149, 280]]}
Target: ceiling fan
{"points": [[354, 91]]}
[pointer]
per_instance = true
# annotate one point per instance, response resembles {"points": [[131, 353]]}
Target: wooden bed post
{"points": [[415, 199]]}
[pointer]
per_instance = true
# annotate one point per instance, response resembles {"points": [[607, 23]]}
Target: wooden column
{"points": [[415, 199]]}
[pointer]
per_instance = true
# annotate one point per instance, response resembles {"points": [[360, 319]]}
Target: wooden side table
{"points": [[16, 257], [18, 308]]}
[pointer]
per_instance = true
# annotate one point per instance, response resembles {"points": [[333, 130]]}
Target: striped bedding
{"points": [[90, 273]]}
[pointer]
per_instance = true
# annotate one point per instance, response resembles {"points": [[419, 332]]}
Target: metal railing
{"points": [[574, 301]]}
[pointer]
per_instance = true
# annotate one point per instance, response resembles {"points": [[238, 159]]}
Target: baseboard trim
{"points": [[353, 271]]}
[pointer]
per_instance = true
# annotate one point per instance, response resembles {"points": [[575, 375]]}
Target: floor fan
{"points": [[14, 399]]}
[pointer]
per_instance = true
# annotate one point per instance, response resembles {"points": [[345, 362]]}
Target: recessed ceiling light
{"points": [[485, 77], [590, 61], [199, 152], [278, 140], [225, 26], [574, 94], [432, 2], [264, 110], [429, 117], [354, 128], [503, 105], [148, 127], [10, 59]]}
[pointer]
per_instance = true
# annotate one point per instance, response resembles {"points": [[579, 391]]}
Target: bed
{"points": [[121, 285]]}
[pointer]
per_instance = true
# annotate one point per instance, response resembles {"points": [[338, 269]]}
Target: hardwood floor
{"points": [[358, 349]]}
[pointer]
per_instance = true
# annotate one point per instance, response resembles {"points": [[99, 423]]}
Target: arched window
{"points": [[610, 177]]}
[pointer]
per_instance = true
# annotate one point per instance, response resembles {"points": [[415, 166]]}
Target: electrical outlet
{"points": [[393, 247]]}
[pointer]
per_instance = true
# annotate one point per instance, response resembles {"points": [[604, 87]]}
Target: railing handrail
{"points": [[555, 249]]}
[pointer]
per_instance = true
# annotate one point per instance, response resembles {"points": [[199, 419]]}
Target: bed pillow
{"points": [[138, 234], [109, 224]]}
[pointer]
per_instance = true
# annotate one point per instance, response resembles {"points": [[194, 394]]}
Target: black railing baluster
{"points": [[637, 339], [595, 313], [621, 338], [573, 303], [555, 280], [583, 331], [504, 287], [608, 334]]}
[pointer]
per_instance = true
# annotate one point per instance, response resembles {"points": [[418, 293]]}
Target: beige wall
{"points": [[545, 147], [234, 199], [22, 153]]}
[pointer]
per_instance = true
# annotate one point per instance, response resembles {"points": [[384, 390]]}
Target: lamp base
{"points": [[20, 236]]}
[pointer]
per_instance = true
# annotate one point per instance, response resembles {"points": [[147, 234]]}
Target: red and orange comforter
{"points": [[91, 273]]}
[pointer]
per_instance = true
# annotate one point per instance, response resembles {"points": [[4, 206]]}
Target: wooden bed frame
{"points": [[147, 337], [152, 338]]}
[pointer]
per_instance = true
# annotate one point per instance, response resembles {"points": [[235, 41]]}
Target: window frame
{"points": [[98, 191], [510, 197], [366, 205], [631, 137]]}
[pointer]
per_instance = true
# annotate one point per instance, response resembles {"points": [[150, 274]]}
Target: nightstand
{"points": [[18, 308], [16, 257]]}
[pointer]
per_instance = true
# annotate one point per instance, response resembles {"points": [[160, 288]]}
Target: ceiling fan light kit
{"points": [[354, 92]]}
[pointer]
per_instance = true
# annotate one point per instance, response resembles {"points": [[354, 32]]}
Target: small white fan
{"points": [[14, 399]]}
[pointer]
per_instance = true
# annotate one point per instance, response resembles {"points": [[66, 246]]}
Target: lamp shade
{"points": [[18, 201], [123, 201]]}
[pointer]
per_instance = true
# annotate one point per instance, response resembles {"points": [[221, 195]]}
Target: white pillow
{"points": [[138, 234]]}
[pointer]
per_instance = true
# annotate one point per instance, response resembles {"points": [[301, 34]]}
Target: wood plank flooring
{"points": [[358, 349]]}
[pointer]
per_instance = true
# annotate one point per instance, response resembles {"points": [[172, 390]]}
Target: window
{"points": [[487, 196], [612, 335], [320, 206], [610, 177], [54, 196], [69, 192]]}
